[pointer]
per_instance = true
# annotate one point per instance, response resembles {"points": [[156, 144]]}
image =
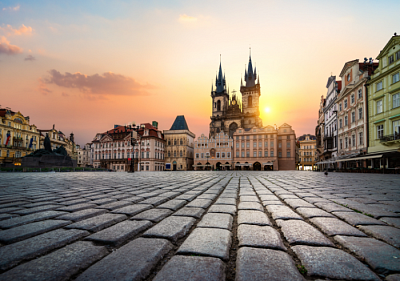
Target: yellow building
{"points": [[384, 109], [179, 146], [307, 152], [17, 137]]}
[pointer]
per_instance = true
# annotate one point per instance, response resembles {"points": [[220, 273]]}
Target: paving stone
{"points": [[15, 253], [29, 218], [115, 205], [382, 257], [227, 209], [171, 228], [77, 207], [154, 215], [7, 216], [253, 217], [133, 261], [97, 223], [332, 207], [172, 205], [59, 265], [269, 198], [248, 198], [354, 218], [103, 201], [190, 212], [155, 201], [36, 209], [277, 202], [297, 203], [225, 201], [10, 210], [133, 199], [332, 226], [298, 232], [282, 213], [216, 220], [74, 202], [313, 213], [264, 264], [132, 210], [392, 221], [393, 277], [332, 263], [192, 269], [200, 203], [29, 230], [208, 196], [81, 215], [211, 242], [259, 237], [187, 197], [390, 235], [250, 206], [120, 232]]}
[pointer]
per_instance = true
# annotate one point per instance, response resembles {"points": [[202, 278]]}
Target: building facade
{"points": [[87, 155], [265, 148], [307, 152], [113, 149], [58, 139], [179, 147], [17, 137], [320, 132], [352, 116], [215, 153], [229, 112], [384, 108]]}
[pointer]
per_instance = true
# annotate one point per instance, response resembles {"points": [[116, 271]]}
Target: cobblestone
{"points": [[233, 225]]}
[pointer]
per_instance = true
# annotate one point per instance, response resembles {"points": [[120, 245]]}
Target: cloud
{"points": [[186, 18], [23, 30], [43, 87], [16, 8], [106, 84], [7, 48], [30, 58], [64, 94]]}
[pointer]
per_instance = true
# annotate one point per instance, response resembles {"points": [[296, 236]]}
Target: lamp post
{"points": [[133, 143]]}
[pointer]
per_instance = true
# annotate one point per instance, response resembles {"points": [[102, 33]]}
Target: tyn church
{"points": [[228, 111]]}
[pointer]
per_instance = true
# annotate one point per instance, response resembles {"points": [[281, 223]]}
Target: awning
{"points": [[269, 163], [226, 165], [243, 164], [360, 158]]}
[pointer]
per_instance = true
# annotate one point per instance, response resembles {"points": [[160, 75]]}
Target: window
{"points": [[237, 145], [345, 142], [247, 153], [396, 100], [359, 93], [349, 142], [169, 154], [288, 154], [202, 155], [223, 154], [266, 153], [340, 106], [391, 59], [379, 86], [397, 55], [266, 144], [147, 154], [396, 128], [254, 144], [395, 78], [237, 153], [228, 155], [345, 103], [180, 153], [242, 144], [247, 137], [242, 153], [353, 116], [280, 144], [260, 144], [361, 138], [254, 153], [340, 123], [260, 153], [217, 154], [288, 145], [248, 144], [341, 144], [345, 121], [379, 108], [352, 99], [280, 154], [147, 168], [360, 113], [354, 139], [379, 131], [272, 144], [271, 154], [348, 77]]}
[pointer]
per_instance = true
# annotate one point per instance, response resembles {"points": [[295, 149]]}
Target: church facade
{"points": [[229, 112]]}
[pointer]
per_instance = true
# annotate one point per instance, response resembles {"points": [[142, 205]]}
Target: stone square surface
{"points": [[199, 225]]}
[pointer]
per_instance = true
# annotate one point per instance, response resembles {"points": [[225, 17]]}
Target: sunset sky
{"points": [[87, 65]]}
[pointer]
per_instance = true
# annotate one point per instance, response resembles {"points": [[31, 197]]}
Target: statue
{"points": [[47, 144], [61, 151]]}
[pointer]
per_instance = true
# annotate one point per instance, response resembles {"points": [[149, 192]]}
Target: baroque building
{"points": [[307, 152], [229, 112], [179, 146]]}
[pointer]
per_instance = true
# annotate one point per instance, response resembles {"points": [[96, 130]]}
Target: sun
{"points": [[266, 109]]}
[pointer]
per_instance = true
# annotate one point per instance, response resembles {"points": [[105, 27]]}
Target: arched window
{"points": [[181, 142], [250, 101], [169, 142], [180, 153], [218, 105], [174, 153]]}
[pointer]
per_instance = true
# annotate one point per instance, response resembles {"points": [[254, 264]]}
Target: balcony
{"points": [[390, 139]]}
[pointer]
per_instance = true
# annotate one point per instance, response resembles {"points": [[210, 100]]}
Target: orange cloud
{"points": [[23, 30], [30, 58], [107, 84], [186, 18], [16, 8], [7, 48], [43, 87]]}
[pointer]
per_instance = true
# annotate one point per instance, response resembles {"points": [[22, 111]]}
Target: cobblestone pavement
{"points": [[199, 226]]}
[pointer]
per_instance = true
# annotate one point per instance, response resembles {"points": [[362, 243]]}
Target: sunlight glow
{"points": [[266, 109]]}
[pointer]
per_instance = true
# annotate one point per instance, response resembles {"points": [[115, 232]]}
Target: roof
{"points": [[303, 137], [119, 129], [179, 123]]}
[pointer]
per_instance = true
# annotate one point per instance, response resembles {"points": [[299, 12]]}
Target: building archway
{"points": [[174, 166], [218, 166], [227, 167], [268, 167], [257, 166], [199, 166], [208, 166], [246, 166], [232, 129], [237, 166]]}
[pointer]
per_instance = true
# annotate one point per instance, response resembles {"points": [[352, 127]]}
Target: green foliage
{"points": [[302, 269]]}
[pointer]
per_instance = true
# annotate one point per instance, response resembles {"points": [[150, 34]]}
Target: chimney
{"points": [[54, 126]]}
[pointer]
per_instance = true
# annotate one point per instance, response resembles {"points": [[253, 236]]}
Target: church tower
{"points": [[250, 96]]}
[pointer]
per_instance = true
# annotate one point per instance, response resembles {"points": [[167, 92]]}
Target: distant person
{"points": [[326, 173]]}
